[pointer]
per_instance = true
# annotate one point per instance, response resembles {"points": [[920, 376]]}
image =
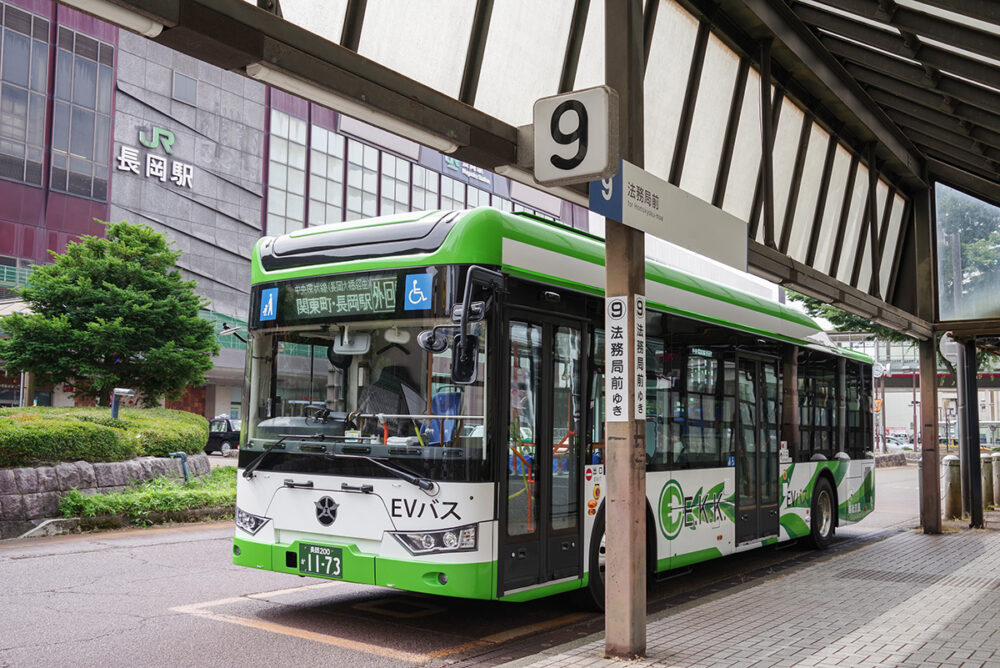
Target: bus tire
{"points": [[593, 595], [823, 512]]}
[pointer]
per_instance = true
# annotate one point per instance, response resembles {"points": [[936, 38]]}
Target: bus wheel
{"points": [[593, 595], [822, 514]]}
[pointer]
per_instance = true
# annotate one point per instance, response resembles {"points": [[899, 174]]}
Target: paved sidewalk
{"points": [[909, 600]]}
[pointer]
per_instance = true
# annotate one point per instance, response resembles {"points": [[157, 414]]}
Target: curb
{"points": [[59, 526]]}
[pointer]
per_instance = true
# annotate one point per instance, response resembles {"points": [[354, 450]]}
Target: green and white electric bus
{"points": [[425, 400]]}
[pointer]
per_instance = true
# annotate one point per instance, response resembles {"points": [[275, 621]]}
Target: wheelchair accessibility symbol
{"points": [[418, 289]]}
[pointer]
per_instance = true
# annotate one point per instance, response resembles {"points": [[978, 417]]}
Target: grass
{"points": [[160, 495]]}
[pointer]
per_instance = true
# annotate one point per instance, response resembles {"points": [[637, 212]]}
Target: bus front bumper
{"points": [[468, 580]]}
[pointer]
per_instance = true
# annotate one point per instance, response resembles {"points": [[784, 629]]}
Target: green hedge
{"points": [[40, 435]]}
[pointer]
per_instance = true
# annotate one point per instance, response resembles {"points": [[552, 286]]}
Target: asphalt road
{"points": [[171, 596]]}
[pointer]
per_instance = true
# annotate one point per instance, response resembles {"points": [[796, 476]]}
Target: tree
{"points": [[112, 312]]}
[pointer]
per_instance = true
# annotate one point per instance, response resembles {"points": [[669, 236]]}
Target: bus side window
{"points": [[595, 402]]}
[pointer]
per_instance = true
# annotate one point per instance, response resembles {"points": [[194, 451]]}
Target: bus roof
{"points": [[525, 246]]}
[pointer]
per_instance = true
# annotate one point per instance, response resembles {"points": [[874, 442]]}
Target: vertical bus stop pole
{"points": [[924, 233], [625, 532], [930, 472], [973, 469]]}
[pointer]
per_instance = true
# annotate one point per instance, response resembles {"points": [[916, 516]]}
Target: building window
{"points": [[498, 202], [24, 62], [81, 118], [395, 185], [326, 177], [452, 193], [286, 177], [477, 197], [425, 189], [362, 180], [185, 89]]}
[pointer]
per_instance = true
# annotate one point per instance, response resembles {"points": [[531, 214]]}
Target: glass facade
{"points": [[81, 115], [286, 184], [351, 179], [24, 64], [968, 233]]}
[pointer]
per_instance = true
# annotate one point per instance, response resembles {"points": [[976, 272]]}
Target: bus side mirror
{"points": [[464, 359]]}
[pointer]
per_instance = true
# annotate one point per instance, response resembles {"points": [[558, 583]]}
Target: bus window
{"points": [[565, 428], [389, 399], [525, 393], [595, 402]]}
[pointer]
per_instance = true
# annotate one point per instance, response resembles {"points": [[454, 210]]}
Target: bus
{"points": [[425, 400]]}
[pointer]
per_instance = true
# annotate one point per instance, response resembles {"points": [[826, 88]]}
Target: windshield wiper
{"points": [[401, 473], [252, 466]]}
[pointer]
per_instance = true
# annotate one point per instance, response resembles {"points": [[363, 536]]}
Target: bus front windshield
{"points": [[343, 395]]}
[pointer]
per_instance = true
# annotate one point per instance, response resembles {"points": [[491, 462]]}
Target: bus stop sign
{"points": [[576, 136]]}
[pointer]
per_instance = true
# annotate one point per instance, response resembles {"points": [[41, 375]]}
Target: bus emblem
{"points": [[326, 511], [671, 509]]}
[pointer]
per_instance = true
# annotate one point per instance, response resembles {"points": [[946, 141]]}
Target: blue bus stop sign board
{"points": [[606, 196]]}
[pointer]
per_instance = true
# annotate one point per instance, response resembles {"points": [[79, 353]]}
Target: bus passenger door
{"points": [[541, 530], [756, 449]]}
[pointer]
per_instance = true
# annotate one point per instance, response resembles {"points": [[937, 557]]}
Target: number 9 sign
{"points": [[576, 136]]}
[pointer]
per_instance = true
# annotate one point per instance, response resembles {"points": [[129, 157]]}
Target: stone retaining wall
{"points": [[29, 496], [895, 459]]}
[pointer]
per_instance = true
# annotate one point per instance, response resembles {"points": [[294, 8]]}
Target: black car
{"points": [[223, 436]]}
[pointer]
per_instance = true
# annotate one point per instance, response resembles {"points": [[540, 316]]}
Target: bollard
{"points": [[952, 487], [986, 462], [996, 479]]}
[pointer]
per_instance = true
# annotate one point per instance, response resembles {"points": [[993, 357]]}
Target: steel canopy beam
{"points": [[988, 189], [932, 56], [915, 75], [983, 10], [928, 98], [773, 265], [923, 24], [935, 119]]}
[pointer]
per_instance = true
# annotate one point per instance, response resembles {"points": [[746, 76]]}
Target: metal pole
{"points": [[913, 403], [625, 526], [930, 477], [963, 459], [973, 466]]}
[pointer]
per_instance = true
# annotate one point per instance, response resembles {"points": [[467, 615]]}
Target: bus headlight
{"points": [[460, 539], [249, 522]]}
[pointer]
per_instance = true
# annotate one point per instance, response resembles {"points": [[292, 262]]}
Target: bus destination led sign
{"points": [[360, 295]]}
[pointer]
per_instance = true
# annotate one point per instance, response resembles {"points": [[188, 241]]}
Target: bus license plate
{"points": [[321, 560]]}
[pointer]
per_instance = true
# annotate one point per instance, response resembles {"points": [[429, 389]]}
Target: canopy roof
{"points": [[873, 101]]}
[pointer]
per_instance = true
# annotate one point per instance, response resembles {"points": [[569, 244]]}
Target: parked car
{"points": [[223, 436]]}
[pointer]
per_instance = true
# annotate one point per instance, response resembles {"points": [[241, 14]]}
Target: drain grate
{"points": [[919, 578]]}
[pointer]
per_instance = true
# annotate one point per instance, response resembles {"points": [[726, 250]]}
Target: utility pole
{"points": [[625, 271]]}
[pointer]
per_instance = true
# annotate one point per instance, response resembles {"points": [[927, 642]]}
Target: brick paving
{"points": [[909, 600]]}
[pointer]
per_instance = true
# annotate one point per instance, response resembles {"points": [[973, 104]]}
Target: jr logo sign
{"points": [[678, 511]]}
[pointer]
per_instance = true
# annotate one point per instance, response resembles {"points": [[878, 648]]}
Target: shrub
{"points": [[43, 435], [159, 495]]}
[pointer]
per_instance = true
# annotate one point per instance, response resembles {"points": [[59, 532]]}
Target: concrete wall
{"points": [[29, 496], [216, 221]]}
